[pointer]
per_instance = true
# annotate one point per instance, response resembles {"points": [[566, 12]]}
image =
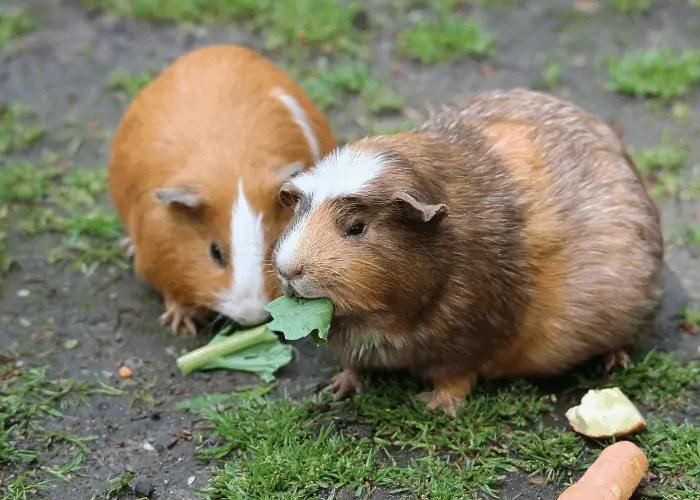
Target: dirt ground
{"points": [[60, 70]]}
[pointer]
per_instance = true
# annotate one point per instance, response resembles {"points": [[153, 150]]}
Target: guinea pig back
{"points": [[508, 236]]}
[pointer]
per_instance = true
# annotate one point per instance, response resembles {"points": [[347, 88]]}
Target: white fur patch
{"points": [[245, 300], [341, 173], [300, 118], [367, 343]]}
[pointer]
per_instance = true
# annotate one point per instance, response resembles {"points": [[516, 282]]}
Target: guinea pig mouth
{"points": [[300, 288], [288, 289]]}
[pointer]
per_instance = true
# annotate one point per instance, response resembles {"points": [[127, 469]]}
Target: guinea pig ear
{"points": [[288, 171], [186, 197], [288, 195], [418, 211]]}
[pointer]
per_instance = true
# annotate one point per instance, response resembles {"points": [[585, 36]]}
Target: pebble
{"points": [[23, 293], [144, 489], [70, 344]]}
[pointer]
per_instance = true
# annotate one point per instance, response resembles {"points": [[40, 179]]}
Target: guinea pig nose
{"points": [[296, 272], [292, 272]]}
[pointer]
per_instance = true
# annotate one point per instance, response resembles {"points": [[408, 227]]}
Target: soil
{"points": [[60, 70]]}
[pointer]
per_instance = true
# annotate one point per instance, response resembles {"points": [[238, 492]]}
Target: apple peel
{"points": [[605, 413]]}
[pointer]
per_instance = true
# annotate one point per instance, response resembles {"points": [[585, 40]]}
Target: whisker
{"points": [[361, 261]]}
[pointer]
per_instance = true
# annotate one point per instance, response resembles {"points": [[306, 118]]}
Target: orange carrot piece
{"points": [[613, 476]]}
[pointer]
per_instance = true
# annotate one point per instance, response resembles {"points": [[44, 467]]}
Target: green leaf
{"points": [[296, 318], [261, 359], [255, 350]]}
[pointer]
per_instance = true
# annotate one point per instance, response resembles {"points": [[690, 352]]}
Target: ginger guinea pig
{"points": [[511, 236], [195, 167]]}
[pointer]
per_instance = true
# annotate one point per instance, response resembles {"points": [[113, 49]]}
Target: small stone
{"points": [[70, 344], [23, 293], [125, 372], [579, 60], [148, 446], [190, 480], [24, 323], [144, 489]]}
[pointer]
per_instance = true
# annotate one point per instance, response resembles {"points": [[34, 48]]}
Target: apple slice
{"points": [[605, 413]]}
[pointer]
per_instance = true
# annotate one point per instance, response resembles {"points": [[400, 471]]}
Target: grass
{"points": [[550, 76], [45, 198], [655, 380], [14, 25], [128, 84], [117, 486], [197, 11], [326, 26], [28, 400], [15, 133], [663, 167], [445, 36], [328, 85], [691, 315], [631, 6], [384, 439], [665, 73], [48, 195]]}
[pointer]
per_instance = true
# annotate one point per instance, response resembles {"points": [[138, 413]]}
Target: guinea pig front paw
{"points": [[180, 318], [448, 394], [345, 383]]}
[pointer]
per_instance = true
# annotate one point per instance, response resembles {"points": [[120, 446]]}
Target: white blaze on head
{"points": [[343, 172], [245, 300]]}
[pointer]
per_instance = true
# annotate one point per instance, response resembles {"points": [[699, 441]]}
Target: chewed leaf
{"points": [[296, 318], [261, 359]]}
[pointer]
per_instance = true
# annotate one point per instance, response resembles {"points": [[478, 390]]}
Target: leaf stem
{"points": [[195, 360]]}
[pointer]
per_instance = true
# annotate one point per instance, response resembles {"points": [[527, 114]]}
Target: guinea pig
{"points": [[195, 167], [511, 236]]}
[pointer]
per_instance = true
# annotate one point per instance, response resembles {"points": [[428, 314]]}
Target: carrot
{"points": [[613, 476]]}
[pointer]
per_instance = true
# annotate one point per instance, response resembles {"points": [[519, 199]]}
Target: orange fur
{"points": [[208, 121], [535, 347]]}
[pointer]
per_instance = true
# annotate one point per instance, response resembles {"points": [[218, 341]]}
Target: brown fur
{"points": [[207, 121], [550, 252]]}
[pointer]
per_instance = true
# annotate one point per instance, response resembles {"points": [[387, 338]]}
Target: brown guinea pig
{"points": [[510, 236], [195, 168]]}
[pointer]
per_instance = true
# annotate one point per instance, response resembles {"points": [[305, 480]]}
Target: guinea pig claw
{"points": [[128, 246], [343, 384], [180, 321], [620, 358]]}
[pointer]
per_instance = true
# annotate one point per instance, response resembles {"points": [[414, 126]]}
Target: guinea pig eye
{"points": [[216, 255], [357, 229]]}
